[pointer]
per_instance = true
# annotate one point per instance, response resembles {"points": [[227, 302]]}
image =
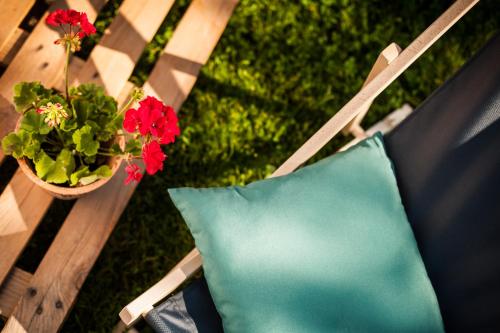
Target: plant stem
{"points": [[105, 154], [66, 69], [60, 136], [126, 106]]}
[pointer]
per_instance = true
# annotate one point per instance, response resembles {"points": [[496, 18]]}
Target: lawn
{"points": [[281, 69]]}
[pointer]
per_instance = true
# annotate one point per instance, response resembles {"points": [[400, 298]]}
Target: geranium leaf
{"points": [[84, 177], [34, 122], [30, 142], [27, 94], [43, 165], [81, 109], [84, 140], [68, 125], [12, 145], [58, 171]]}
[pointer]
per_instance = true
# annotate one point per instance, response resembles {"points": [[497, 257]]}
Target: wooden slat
{"points": [[177, 69], [385, 57], [38, 60], [113, 60], [84, 233], [12, 45], [12, 14], [15, 286], [22, 205], [19, 217], [130, 23]]}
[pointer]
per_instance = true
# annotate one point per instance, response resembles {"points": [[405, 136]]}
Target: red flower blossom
{"points": [[150, 113], [131, 121], [86, 27], [154, 118], [171, 128], [153, 157], [134, 173], [73, 18]]}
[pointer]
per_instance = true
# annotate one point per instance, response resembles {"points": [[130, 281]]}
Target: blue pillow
{"points": [[327, 248]]}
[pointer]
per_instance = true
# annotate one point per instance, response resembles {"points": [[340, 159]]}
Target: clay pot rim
{"points": [[63, 192]]}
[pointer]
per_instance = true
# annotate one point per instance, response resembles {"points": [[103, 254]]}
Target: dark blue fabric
{"points": [[447, 161], [189, 311]]}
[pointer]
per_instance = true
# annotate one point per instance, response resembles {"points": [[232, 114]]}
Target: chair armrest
{"points": [[145, 302]]}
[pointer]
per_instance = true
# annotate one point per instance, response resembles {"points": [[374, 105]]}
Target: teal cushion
{"points": [[327, 248]]}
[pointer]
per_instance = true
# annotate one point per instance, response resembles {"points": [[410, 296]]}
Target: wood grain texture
{"points": [[189, 48], [22, 206], [38, 60], [340, 120], [12, 14], [84, 233], [11, 291], [112, 61], [12, 45], [26, 217]]}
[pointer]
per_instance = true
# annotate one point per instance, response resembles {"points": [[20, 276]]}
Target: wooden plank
{"points": [[15, 286], [383, 60], [177, 69], [12, 14], [22, 205], [12, 45], [343, 117], [20, 214], [38, 60], [113, 60], [26, 217], [80, 240]]}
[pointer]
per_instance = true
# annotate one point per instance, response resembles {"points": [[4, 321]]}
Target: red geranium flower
{"points": [[73, 18], [153, 157], [131, 121], [170, 126], [134, 173], [153, 118], [86, 27]]}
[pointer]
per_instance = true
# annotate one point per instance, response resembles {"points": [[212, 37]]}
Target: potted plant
{"points": [[71, 143]]}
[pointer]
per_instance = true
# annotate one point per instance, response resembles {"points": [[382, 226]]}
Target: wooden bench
{"points": [[40, 302]]}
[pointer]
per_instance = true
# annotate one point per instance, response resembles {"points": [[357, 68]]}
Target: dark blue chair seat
{"points": [[447, 161]]}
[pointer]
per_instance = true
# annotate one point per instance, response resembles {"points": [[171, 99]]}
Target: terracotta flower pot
{"points": [[69, 193]]}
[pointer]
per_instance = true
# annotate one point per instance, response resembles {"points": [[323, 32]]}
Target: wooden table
{"points": [[40, 302]]}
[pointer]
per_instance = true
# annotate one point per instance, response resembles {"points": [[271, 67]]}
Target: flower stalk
{"points": [[66, 69]]}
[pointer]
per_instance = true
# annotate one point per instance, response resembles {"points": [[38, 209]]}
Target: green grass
{"points": [[281, 69]]}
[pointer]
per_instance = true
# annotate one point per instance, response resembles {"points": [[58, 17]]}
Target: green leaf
{"points": [[134, 147], [68, 125], [12, 145], [21, 144], [84, 177], [31, 143], [58, 171], [84, 140], [27, 94], [34, 122], [81, 110]]}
